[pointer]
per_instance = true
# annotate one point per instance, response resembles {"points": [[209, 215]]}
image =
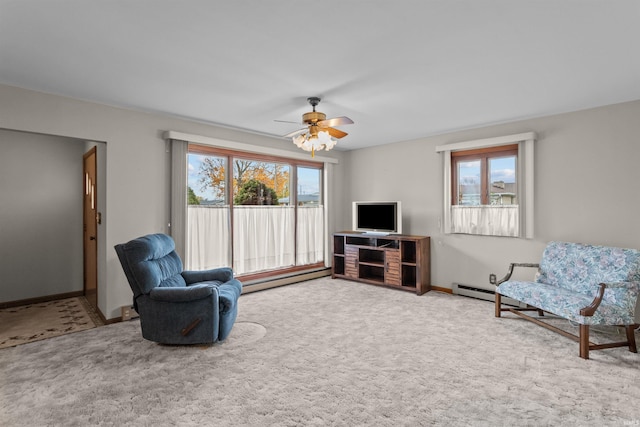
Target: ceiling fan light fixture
{"points": [[318, 142], [326, 140], [299, 140], [320, 134]]}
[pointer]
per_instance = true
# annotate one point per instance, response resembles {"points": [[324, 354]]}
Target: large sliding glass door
{"points": [[263, 219], [208, 243], [310, 216], [250, 218]]}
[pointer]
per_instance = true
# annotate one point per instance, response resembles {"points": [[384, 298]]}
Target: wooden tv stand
{"points": [[395, 260]]}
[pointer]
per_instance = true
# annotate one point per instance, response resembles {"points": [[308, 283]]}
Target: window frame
{"points": [[231, 155], [484, 155], [525, 179]]}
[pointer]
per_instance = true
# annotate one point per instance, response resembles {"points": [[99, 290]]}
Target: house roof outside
{"points": [[501, 192]]}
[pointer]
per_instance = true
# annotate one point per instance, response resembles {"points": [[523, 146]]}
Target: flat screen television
{"points": [[377, 217]]}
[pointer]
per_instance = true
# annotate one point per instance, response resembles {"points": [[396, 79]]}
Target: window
{"points": [[242, 212], [485, 176], [489, 186], [207, 241]]}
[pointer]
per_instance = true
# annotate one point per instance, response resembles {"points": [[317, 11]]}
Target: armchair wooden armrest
{"points": [[591, 308], [492, 277]]}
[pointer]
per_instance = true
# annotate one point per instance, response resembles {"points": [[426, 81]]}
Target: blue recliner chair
{"points": [[176, 306]]}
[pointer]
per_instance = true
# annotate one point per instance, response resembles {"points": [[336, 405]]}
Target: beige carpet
{"points": [[326, 353], [34, 322]]}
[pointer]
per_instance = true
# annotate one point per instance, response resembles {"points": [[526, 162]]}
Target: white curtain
{"points": [[208, 241], [500, 220], [263, 238], [178, 226], [310, 234]]}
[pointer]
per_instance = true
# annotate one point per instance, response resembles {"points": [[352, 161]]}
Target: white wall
{"points": [[137, 167], [586, 176], [586, 180], [40, 215]]}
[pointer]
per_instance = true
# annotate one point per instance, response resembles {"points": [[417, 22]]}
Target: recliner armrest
{"points": [[190, 293], [223, 274], [228, 294]]}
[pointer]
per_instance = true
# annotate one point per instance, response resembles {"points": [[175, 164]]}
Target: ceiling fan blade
{"points": [[336, 121], [336, 133], [287, 121], [295, 132]]}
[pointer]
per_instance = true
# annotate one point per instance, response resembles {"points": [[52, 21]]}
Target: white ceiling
{"points": [[401, 69]]}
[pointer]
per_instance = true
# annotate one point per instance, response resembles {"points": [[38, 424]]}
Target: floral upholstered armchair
{"points": [[585, 284]]}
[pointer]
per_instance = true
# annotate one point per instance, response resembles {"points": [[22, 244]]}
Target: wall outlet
{"points": [[128, 312]]}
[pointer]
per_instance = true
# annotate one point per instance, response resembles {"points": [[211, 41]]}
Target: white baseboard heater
{"points": [[272, 282], [481, 293]]}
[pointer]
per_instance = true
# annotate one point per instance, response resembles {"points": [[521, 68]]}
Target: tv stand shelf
{"points": [[395, 260]]}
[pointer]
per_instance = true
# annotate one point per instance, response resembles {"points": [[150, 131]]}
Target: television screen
{"points": [[377, 217]]}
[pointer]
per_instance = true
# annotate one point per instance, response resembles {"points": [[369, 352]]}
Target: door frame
{"points": [[91, 219]]}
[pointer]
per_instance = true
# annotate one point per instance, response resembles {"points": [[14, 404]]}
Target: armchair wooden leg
{"points": [[631, 338], [498, 304], [584, 341]]}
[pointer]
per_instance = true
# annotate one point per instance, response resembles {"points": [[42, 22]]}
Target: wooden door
{"points": [[90, 228]]}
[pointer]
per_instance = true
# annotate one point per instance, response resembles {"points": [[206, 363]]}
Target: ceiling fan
{"points": [[319, 134]]}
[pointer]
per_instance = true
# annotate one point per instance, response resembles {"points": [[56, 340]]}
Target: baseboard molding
{"points": [[37, 300], [108, 321], [439, 289], [482, 294]]}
